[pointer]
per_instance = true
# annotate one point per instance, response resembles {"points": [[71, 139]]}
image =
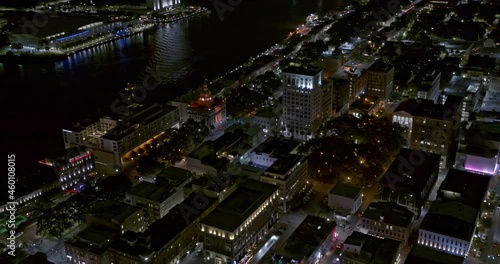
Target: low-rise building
{"points": [[308, 243], [268, 121], [155, 200], [345, 197], [421, 254], [239, 222], [409, 179], [113, 138], [448, 226], [116, 216], [365, 249], [365, 105], [71, 168], [388, 220], [90, 246], [466, 187], [168, 239]]}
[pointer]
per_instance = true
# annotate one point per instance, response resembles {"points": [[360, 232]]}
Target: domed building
{"points": [[208, 109]]}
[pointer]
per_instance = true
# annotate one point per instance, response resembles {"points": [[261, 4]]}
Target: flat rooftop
{"points": [[461, 86], [365, 103], [380, 65], [422, 254], [285, 163], [470, 186], [174, 175], [451, 218], [415, 179], [484, 130], [306, 239], [346, 190], [373, 249], [140, 115], [390, 213], [114, 211], [352, 67], [235, 209], [95, 236], [164, 230], [151, 191], [276, 147], [427, 108]]}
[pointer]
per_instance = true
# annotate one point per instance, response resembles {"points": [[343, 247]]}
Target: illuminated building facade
{"points": [[448, 226], [208, 109], [161, 4], [304, 104], [72, 168], [113, 138], [239, 222]]}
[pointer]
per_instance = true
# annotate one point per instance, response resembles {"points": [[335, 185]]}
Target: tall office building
{"points": [[305, 104], [380, 80]]}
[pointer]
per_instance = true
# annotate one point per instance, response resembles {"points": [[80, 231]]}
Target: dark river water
{"points": [[39, 100]]}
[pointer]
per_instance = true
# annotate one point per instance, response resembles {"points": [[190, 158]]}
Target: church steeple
{"points": [[206, 99]]}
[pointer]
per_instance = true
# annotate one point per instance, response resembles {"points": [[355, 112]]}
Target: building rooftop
{"points": [[427, 108], [408, 106], [390, 213], [451, 218], [484, 63], [346, 190], [276, 147], [164, 230], [139, 115], [422, 254], [380, 65], [174, 176], [310, 71], [285, 163], [306, 239], [484, 130], [93, 239], [352, 67], [239, 205], [467, 187], [365, 103], [151, 191], [113, 211], [403, 174], [461, 86], [373, 250]]}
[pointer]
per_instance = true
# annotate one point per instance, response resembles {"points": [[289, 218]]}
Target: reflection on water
{"points": [[185, 51]]}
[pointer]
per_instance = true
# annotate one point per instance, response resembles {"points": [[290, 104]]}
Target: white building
{"points": [[112, 139], [345, 197], [302, 102], [448, 226]]}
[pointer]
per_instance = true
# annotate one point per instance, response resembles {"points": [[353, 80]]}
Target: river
{"points": [[39, 100]]}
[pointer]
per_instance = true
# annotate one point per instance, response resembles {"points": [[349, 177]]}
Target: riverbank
{"points": [[29, 56]]}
